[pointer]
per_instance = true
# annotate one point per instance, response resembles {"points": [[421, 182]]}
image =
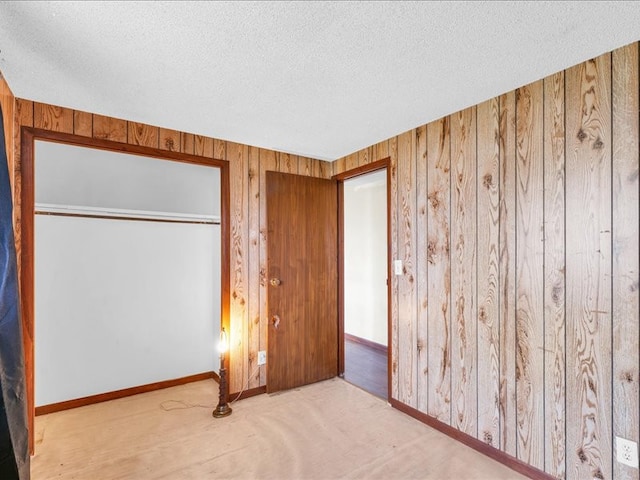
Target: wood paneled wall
{"points": [[7, 100], [247, 167], [516, 318]]}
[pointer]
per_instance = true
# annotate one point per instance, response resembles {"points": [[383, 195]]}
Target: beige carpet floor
{"points": [[327, 430]]}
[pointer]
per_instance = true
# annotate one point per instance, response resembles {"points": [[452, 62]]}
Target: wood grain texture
{"points": [[588, 275], [253, 275], [421, 272], [305, 166], [508, 424], [237, 156], [464, 391], [530, 275], [488, 217], [554, 280], [380, 150], [82, 123], [187, 143], [170, 140], [322, 169], [108, 128], [406, 245], [625, 268], [203, 146], [287, 163], [142, 134], [23, 117], [339, 166], [219, 148], [351, 161], [50, 117], [439, 269], [393, 233], [267, 164], [365, 156]]}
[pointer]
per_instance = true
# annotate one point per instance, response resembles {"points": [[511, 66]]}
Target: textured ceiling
{"points": [[320, 79]]}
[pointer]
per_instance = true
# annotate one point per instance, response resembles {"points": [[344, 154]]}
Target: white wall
{"points": [[365, 253], [122, 303]]}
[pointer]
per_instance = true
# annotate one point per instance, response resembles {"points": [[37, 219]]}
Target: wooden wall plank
{"points": [[219, 149], [23, 118], [588, 275], [488, 217], [365, 155], [393, 231], [439, 269], [203, 146], [380, 150], [421, 271], [508, 426], [351, 161], [82, 123], [554, 281], [322, 169], [169, 140], [530, 275], [8, 102], [50, 117], [142, 134], [464, 390], [305, 166], [187, 143], [267, 163], [253, 274], [237, 155], [625, 268], [108, 128], [406, 245], [287, 163], [339, 165]]}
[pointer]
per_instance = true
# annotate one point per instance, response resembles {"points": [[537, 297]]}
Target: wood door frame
{"points": [[341, 177], [27, 211]]}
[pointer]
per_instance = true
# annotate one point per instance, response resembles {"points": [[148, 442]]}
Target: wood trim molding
{"points": [[126, 392], [491, 452], [252, 392], [378, 347], [362, 169]]}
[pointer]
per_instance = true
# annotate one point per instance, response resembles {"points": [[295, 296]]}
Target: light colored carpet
{"points": [[326, 430]]}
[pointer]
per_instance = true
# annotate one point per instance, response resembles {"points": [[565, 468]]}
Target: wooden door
{"points": [[302, 280]]}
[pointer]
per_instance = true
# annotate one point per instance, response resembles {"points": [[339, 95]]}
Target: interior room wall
{"points": [[365, 253], [516, 321], [247, 167]]}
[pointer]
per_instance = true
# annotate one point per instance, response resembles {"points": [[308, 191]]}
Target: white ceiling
{"points": [[320, 79]]}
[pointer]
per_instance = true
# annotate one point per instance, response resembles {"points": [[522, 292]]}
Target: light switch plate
{"points": [[397, 267]]}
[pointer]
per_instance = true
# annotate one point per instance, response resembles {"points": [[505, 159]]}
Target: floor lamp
{"points": [[223, 409]]}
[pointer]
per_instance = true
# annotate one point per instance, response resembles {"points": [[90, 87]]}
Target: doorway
{"points": [[364, 231]]}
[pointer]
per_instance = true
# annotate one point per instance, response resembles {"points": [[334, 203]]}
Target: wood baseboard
{"points": [[491, 452], [126, 392], [367, 343], [252, 392]]}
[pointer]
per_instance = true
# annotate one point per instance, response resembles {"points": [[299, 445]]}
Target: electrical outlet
{"points": [[262, 357], [627, 452]]}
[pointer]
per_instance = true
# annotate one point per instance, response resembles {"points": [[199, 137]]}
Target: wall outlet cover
{"points": [[262, 357], [627, 452]]}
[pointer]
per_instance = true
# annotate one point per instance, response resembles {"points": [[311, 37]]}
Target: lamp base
{"points": [[222, 411]]}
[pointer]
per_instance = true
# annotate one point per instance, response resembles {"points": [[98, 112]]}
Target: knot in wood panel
{"points": [[487, 181], [581, 135], [598, 144], [169, 143]]}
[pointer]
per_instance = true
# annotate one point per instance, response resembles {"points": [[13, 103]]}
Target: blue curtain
{"points": [[14, 438]]}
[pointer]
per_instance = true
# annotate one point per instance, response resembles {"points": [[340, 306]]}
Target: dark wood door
{"points": [[302, 280]]}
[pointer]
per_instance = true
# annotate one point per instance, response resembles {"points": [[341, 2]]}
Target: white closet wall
{"points": [[122, 303]]}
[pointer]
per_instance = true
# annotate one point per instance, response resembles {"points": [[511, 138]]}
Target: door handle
{"points": [[275, 320], [275, 282]]}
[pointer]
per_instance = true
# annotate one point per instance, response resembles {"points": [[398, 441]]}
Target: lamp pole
{"points": [[223, 409]]}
